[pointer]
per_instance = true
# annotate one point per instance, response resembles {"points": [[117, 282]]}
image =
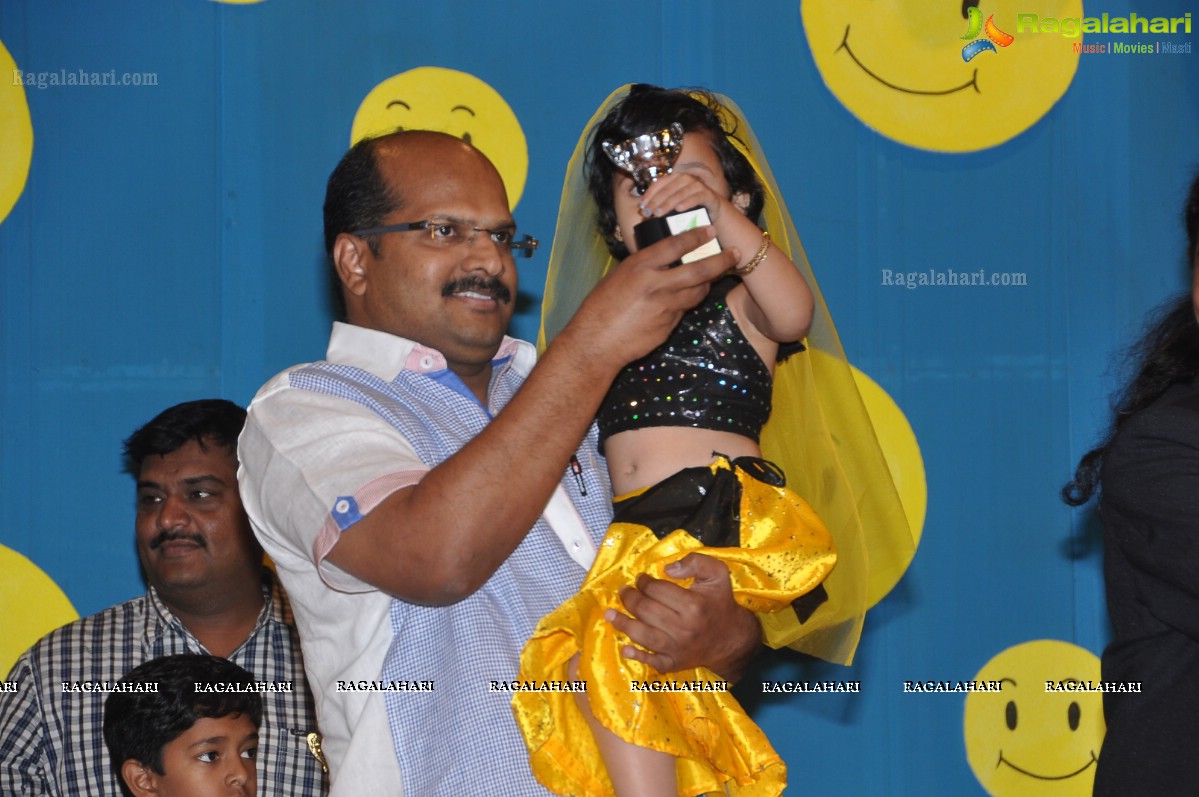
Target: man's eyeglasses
{"points": [[445, 232]]}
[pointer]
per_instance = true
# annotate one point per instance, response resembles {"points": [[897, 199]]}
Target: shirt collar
{"points": [[386, 355], [162, 615], [274, 610]]}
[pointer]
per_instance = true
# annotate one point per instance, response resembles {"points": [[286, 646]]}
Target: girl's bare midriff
{"points": [[641, 457]]}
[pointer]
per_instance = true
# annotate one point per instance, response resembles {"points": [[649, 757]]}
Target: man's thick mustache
{"points": [[491, 287], [167, 535]]}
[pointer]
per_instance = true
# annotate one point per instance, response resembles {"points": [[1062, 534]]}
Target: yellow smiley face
{"points": [[1028, 741], [952, 77], [432, 98], [16, 131], [31, 603], [902, 452]]}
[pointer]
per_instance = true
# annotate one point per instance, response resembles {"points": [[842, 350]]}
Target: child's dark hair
{"points": [[647, 108], [137, 725]]}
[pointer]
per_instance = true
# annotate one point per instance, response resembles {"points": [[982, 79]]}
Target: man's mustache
{"points": [[491, 287], [168, 535]]}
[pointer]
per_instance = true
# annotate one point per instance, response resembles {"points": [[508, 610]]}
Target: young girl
{"points": [[680, 431]]}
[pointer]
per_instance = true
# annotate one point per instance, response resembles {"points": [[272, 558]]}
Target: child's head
{"points": [[649, 108], [193, 735]]}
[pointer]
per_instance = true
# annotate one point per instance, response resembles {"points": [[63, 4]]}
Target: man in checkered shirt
{"points": [[209, 593]]}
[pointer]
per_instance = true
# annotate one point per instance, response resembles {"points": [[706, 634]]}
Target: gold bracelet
{"points": [[757, 259]]}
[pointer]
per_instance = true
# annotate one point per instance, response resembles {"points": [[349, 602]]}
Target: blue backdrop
{"points": [[167, 246]]}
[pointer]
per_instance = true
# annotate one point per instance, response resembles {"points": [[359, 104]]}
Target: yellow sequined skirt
{"points": [[785, 552]]}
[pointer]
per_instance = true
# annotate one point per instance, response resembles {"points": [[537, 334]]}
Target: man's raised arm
{"points": [[439, 540]]}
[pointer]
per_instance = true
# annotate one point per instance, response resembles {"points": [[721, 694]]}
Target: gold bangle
{"points": [[757, 259]]}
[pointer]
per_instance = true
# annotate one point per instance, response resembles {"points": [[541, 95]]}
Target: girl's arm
{"points": [[779, 305]]}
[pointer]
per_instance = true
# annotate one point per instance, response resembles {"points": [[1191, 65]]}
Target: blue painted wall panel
{"points": [[167, 247]]}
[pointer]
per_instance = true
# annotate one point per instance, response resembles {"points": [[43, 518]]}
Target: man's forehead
{"points": [[438, 174], [191, 459]]}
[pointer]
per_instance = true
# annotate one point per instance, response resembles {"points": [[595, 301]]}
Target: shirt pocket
{"points": [[289, 763]]}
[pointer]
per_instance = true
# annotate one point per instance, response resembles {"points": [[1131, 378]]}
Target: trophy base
{"points": [[654, 229]]}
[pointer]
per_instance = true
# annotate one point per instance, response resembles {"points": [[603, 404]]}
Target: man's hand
{"points": [[634, 308], [686, 628]]}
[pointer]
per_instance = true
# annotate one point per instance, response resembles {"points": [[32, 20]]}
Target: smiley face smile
{"points": [[1080, 770], [973, 81]]}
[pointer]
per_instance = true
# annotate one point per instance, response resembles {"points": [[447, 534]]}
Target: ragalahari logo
{"points": [[975, 26]]}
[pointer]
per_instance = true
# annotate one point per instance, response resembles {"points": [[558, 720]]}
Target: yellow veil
{"points": [[819, 430]]}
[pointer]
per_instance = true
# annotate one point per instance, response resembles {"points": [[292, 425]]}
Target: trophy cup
{"points": [[646, 158]]}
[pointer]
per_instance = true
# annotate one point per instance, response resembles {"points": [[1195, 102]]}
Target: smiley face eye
{"points": [[1010, 715], [1073, 715]]}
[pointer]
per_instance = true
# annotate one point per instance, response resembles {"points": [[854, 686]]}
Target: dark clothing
{"points": [[706, 375], [705, 503], [1150, 512]]}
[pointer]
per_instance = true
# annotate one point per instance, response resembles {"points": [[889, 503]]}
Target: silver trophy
{"points": [[649, 156], [646, 158]]}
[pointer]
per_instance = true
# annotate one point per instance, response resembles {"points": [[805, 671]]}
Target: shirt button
{"points": [[426, 362]]}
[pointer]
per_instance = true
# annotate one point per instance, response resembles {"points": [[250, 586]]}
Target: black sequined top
{"points": [[706, 375]]}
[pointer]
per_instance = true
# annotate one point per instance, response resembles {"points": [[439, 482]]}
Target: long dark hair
{"points": [[647, 108], [1167, 354]]}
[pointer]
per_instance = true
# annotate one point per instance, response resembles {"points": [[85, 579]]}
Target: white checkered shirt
{"points": [[52, 742]]}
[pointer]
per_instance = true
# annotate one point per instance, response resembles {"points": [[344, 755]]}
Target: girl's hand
{"points": [[682, 191]]}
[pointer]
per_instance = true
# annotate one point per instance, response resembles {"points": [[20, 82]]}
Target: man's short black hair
{"points": [[356, 197], [138, 725], [207, 421]]}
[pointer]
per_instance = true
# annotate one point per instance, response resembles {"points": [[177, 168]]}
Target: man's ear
{"points": [[140, 779], [740, 201], [351, 256]]}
